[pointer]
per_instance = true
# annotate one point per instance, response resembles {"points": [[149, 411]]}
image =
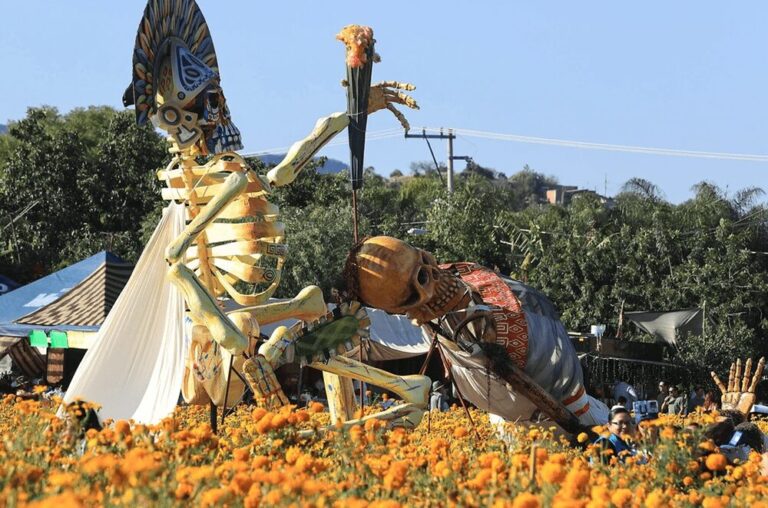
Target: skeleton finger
{"points": [[400, 98], [747, 371], [731, 373], [395, 84], [719, 383], [758, 374], [399, 117], [737, 376]]}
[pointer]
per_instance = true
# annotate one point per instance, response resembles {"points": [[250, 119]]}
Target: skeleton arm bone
{"points": [[383, 95], [302, 151]]}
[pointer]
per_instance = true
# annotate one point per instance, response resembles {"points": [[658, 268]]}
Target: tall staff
{"points": [[360, 57]]}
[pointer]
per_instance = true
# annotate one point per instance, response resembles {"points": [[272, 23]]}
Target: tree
{"points": [[90, 175]]}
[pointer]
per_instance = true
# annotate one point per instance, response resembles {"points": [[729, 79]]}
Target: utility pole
{"points": [[450, 137], [449, 177]]}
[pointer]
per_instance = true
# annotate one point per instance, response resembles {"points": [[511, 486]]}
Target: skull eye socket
{"points": [[422, 276]]}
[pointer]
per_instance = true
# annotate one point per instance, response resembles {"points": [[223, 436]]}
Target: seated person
{"points": [[619, 424]]}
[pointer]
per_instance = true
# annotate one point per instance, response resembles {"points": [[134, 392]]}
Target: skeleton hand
{"points": [[386, 93], [740, 393]]}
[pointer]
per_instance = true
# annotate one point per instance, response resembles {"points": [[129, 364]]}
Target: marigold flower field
{"points": [[259, 459]]}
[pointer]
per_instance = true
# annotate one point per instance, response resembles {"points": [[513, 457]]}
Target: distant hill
{"points": [[3, 128], [330, 166]]}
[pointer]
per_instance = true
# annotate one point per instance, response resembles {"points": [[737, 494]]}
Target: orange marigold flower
{"points": [[273, 497], [552, 473], [292, 455], [460, 432], [712, 502], [621, 497], [214, 497], [241, 454], [258, 413], [279, 421], [716, 462], [526, 500], [667, 433], [582, 437], [655, 499], [123, 427], [316, 407]]}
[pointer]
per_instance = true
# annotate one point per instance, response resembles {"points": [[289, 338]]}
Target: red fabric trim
{"points": [[582, 410], [511, 326], [575, 397]]}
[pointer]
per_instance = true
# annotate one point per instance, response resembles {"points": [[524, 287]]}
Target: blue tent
{"points": [[7, 285], [43, 293]]}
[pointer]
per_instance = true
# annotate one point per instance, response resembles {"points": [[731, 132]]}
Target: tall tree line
{"points": [[90, 176]]}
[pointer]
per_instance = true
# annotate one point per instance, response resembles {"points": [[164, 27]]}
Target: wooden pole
{"points": [[355, 232]]}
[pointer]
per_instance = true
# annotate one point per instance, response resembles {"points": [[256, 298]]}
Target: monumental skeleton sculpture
{"points": [[233, 235]]}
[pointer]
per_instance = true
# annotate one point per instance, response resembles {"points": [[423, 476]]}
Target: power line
{"points": [[605, 146], [585, 145]]}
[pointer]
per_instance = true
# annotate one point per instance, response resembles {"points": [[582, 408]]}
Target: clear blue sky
{"points": [[688, 75]]}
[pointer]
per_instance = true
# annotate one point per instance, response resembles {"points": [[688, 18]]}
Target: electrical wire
{"points": [[604, 146], [586, 145]]}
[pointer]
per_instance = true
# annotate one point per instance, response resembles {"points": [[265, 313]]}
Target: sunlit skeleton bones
{"points": [[233, 234]]}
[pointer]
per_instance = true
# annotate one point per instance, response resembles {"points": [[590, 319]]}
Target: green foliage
{"points": [[90, 176]]}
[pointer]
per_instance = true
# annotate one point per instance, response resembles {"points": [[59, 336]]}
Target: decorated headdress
{"points": [[176, 78]]}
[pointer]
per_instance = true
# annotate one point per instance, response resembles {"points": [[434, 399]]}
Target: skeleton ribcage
{"points": [[242, 252]]}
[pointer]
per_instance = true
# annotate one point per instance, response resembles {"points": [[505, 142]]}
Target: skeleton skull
{"points": [[401, 279]]}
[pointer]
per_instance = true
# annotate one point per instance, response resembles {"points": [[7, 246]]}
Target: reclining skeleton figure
{"points": [[508, 352]]}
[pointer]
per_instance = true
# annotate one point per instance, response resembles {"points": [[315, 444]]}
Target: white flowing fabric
{"points": [[135, 368]]}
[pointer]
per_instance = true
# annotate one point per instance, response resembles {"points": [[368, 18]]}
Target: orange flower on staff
{"points": [[357, 39]]}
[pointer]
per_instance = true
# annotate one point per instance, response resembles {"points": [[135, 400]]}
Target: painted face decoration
{"points": [[176, 81]]}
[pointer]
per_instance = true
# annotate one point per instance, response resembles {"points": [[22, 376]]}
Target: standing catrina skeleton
{"points": [[233, 235]]}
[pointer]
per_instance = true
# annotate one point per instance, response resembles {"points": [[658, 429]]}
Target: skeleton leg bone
{"points": [[308, 305], [413, 390]]}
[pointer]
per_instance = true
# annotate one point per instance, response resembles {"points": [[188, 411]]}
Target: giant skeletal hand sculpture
{"points": [[480, 318], [233, 234], [740, 392]]}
